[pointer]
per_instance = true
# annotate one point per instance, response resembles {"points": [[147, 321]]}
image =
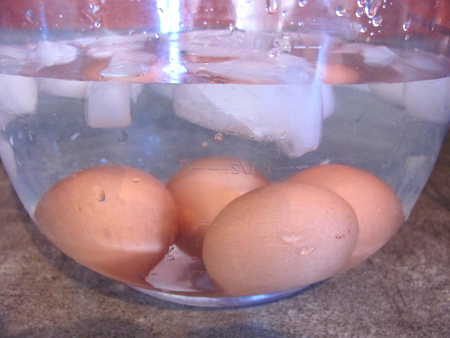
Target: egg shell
{"points": [[335, 73], [379, 210], [116, 220], [202, 189], [279, 237]]}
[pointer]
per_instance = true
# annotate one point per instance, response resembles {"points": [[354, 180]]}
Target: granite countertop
{"points": [[402, 291]]}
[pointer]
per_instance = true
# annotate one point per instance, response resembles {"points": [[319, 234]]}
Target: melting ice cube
{"points": [[427, 100], [18, 94], [289, 116], [328, 100], [391, 93], [49, 53], [108, 105], [64, 88]]}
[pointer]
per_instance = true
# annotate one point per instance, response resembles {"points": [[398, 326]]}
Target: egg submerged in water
{"points": [[202, 188], [118, 221], [277, 238], [377, 207]]}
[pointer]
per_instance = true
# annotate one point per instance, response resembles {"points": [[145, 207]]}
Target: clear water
{"points": [[369, 124]]}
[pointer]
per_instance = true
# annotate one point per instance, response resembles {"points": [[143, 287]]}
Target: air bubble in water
{"points": [[284, 13], [363, 29], [372, 8], [97, 24], [377, 20], [272, 6], [29, 15], [303, 3], [218, 137], [359, 12], [340, 10], [406, 25], [361, 3]]}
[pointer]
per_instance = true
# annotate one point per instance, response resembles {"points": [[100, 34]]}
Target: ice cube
{"points": [[129, 64], [427, 99], [381, 56], [108, 105], [135, 91], [328, 100], [106, 49], [64, 88], [16, 52], [49, 53], [391, 93], [18, 94], [289, 116], [282, 69], [8, 157]]}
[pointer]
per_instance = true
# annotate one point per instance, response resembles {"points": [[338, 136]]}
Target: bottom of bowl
{"points": [[218, 301]]}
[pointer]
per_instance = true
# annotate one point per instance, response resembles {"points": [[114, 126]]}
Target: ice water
{"points": [[155, 104]]}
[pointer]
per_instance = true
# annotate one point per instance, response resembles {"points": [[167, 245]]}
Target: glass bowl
{"points": [[222, 153]]}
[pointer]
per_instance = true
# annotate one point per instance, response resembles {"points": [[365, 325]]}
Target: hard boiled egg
{"points": [[279, 237], [376, 205], [118, 221], [202, 189]]}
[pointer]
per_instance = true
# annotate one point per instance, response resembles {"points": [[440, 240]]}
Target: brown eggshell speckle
{"points": [[280, 237], [376, 205], [118, 221], [202, 189]]}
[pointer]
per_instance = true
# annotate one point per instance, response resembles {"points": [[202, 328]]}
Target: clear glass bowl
{"points": [[222, 153]]}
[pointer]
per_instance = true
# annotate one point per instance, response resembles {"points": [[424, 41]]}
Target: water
{"points": [[266, 107]]}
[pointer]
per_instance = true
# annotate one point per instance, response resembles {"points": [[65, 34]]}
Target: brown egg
{"points": [[335, 73], [376, 205], [118, 221], [202, 189], [279, 237]]}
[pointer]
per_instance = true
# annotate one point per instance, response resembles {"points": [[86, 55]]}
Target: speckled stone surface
{"points": [[402, 291]]}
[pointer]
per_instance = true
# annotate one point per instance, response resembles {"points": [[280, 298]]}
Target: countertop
{"points": [[402, 291]]}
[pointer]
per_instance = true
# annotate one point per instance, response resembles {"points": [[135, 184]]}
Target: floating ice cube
{"points": [[381, 56], [285, 69], [16, 52], [427, 99], [63, 88], [289, 116], [49, 53], [18, 94], [135, 91], [391, 93], [129, 64], [108, 105], [8, 158], [105, 48], [328, 100]]}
